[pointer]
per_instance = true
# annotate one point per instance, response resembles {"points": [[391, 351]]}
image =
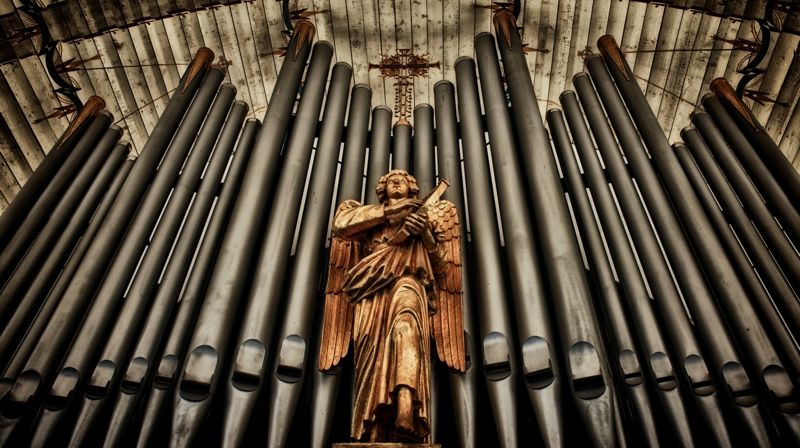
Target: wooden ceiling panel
{"points": [[791, 136], [579, 40], [632, 32], [435, 28], [262, 42], [697, 66], [787, 97], [251, 63], [648, 42], [24, 95], [672, 91], [129, 118], [13, 158], [561, 55], [420, 45], [662, 57]]}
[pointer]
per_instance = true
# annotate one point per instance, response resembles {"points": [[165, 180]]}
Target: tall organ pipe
{"points": [[628, 364], [746, 233], [750, 200], [80, 226], [739, 259], [17, 246], [38, 290], [463, 386], [677, 327], [142, 359], [29, 194], [292, 361], [165, 377], [325, 385], [778, 201], [108, 306], [499, 363], [729, 292], [424, 171], [779, 166], [424, 165], [380, 139], [587, 365], [139, 300], [60, 233], [401, 147], [206, 362], [25, 394]]}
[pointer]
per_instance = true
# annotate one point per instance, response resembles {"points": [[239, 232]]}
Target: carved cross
{"points": [[404, 66]]}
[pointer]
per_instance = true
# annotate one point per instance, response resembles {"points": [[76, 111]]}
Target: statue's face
{"points": [[397, 187]]}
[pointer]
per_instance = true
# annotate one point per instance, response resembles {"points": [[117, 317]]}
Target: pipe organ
{"points": [[619, 289]]}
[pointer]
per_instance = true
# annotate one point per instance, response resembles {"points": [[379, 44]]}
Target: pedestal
{"points": [[386, 445]]}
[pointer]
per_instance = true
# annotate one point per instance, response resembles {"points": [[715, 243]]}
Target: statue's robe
{"points": [[391, 284]]}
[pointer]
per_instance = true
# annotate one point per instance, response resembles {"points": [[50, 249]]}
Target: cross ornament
{"points": [[404, 66]]}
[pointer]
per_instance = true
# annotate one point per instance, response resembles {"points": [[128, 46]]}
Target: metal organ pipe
{"points": [[750, 199], [165, 377], [696, 150], [771, 191], [141, 294], [628, 363], [729, 292], [779, 166], [690, 360], [51, 297], [27, 391], [325, 385], [58, 236], [379, 142], [292, 361], [755, 290], [464, 386], [499, 357], [584, 354], [25, 199], [401, 147], [38, 216], [208, 354]]}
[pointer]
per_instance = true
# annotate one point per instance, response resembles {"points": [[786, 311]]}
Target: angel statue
{"points": [[394, 282]]}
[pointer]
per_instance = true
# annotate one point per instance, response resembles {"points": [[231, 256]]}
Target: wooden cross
{"points": [[404, 66]]}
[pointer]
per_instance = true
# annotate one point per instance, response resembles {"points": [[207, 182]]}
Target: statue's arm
{"points": [[352, 218]]}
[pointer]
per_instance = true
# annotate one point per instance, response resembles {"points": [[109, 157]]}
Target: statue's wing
{"points": [[337, 323], [447, 322]]}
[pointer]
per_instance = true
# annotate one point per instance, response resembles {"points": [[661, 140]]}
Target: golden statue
{"points": [[394, 281]]}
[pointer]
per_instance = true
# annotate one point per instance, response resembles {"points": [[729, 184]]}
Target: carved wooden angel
{"points": [[394, 282]]}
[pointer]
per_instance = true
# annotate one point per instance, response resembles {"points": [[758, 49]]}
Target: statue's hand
{"points": [[416, 223], [401, 208]]}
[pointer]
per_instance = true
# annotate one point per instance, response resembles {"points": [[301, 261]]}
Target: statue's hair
{"points": [[380, 189]]}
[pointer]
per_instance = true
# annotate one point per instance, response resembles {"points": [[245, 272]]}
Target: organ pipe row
{"points": [[620, 289]]}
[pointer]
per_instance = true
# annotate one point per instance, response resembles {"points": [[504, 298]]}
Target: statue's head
{"points": [[396, 184]]}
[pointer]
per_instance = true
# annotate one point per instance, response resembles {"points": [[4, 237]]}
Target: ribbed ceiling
{"points": [[132, 54]]}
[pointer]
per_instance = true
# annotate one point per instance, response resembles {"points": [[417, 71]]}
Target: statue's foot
{"points": [[404, 422]]}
